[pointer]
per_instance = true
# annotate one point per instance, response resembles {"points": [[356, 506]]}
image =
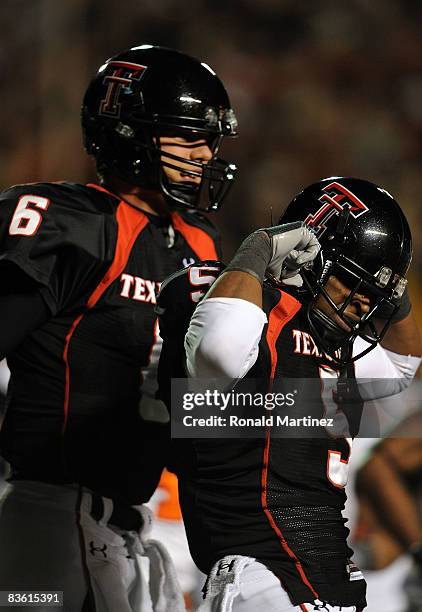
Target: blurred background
{"points": [[320, 88]]}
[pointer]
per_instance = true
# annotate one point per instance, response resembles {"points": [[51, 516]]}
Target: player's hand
{"points": [[278, 252], [293, 246]]}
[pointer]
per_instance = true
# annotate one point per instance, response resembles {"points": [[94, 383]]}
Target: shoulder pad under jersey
{"points": [[49, 231], [181, 292]]}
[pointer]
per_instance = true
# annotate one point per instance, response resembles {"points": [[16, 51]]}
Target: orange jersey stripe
{"points": [[198, 239], [130, 223], [279, 316]]}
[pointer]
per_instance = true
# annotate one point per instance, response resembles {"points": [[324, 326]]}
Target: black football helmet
{"points": [[366, 243], [147, 92]]}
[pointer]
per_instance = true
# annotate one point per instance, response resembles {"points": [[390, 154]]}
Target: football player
{"points": [[264, 516], [81, 268]]}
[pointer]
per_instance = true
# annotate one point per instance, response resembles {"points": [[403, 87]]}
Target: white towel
{"points": [[128, 571], [164, 586]]}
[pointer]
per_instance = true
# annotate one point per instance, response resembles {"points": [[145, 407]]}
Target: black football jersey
{"points": [[73, 411], [279, 500]]}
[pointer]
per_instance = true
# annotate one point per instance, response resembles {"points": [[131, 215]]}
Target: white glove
{"points": [[291, 250], [280, 251]]}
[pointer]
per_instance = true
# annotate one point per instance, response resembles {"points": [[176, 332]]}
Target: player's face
{"points": [[192, 149], [359, 305]]}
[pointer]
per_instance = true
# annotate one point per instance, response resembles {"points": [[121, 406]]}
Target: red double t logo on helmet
{"points": [[335, 197], [122, 76]]}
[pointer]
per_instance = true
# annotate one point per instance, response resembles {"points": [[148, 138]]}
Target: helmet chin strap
{"points": [[179, 193]]}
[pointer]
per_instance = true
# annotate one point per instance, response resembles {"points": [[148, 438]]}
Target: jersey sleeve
{"points": [[48, 242], [179, 295], [181, 292], [382, 373]]}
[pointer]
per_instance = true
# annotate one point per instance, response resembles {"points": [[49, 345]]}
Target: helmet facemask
{"points": [[216, 175], [146, 161]]}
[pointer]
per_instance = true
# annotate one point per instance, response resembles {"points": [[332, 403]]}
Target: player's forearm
{"points": [[224, 332], [237, 285], [279, 252], [392, 365], [404, 337], [245, 273]]}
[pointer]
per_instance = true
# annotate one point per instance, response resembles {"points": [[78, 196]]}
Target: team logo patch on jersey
{"points": [[335, 197]]}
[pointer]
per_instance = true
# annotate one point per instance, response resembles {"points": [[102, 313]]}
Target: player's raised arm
{"points": [[404, 336], [223, 337], [397, 357]]}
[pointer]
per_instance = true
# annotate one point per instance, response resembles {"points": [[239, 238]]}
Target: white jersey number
{"points": [[26, 220], [337, 465], [201, 277]]}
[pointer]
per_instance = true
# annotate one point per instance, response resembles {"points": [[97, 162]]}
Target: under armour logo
{"points": [[225, 567], [93, 549], [187, 262], [123, 75], [335, 197]]}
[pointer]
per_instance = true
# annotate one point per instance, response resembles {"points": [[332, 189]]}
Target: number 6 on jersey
{"points": [[25, 220]]}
